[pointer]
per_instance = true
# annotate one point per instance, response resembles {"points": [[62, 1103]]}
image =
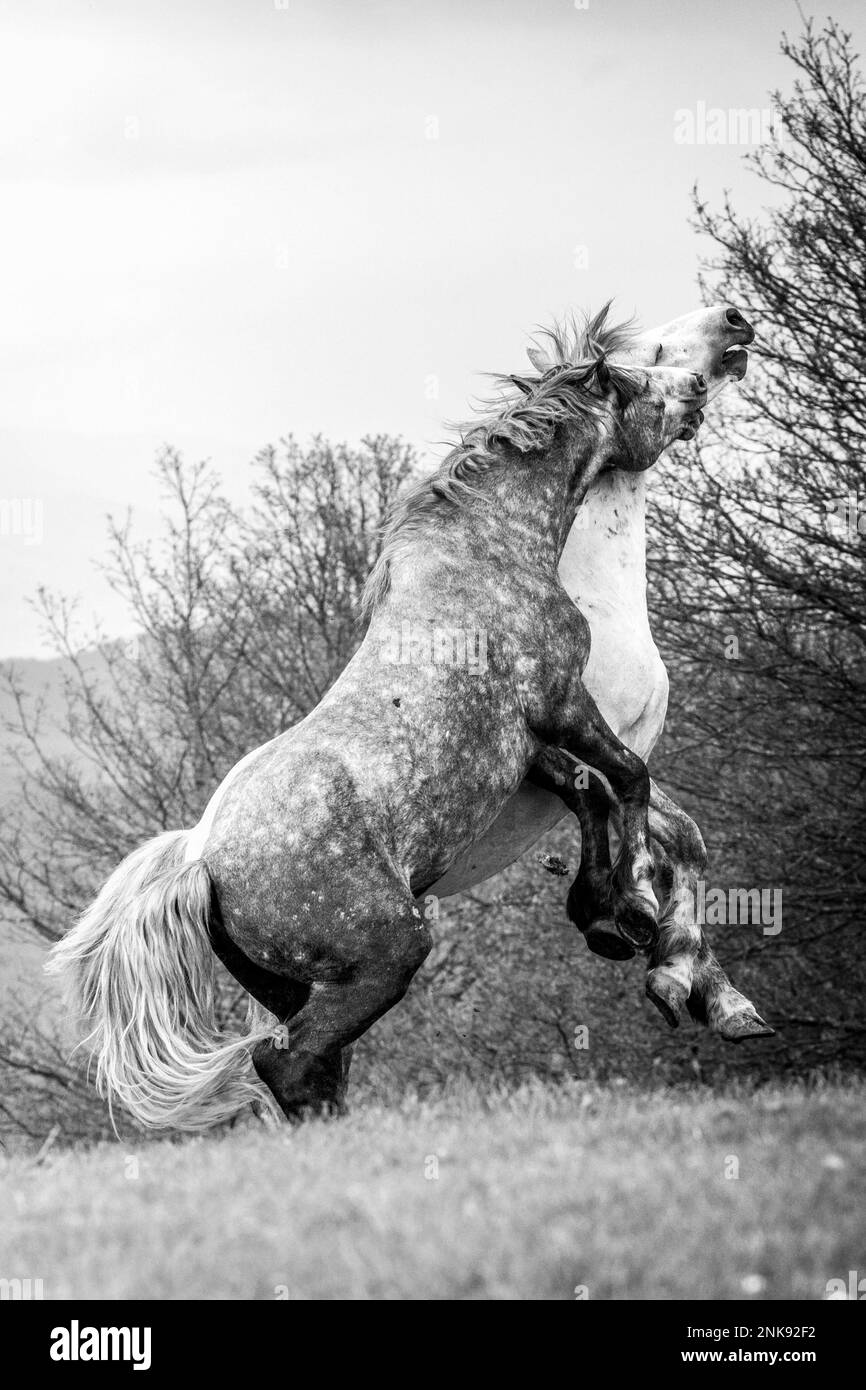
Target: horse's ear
{"points": [[540, 360], [602, 372], [522, 384]]}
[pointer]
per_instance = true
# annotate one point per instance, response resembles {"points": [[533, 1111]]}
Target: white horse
{"points": [[603, 568]]}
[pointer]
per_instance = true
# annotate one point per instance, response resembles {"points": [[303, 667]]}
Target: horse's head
{"points": [[657, 406], [709, 341]]}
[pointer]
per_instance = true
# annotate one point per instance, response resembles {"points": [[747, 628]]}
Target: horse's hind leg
{"points": [[279, 994], [324, 1086], [282, 997], [329, 1079], [308, 1072]]}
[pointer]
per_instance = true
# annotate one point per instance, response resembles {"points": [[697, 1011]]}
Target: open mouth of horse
{"points": [[735, 362]]}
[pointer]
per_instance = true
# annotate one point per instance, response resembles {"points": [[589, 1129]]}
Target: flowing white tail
{"points": [[140, 971]]}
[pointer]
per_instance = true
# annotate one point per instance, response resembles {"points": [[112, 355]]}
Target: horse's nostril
{"points": [[734, 319], [700, 382]]}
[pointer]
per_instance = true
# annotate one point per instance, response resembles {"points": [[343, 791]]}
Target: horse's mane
{"points": [[525, 416]]}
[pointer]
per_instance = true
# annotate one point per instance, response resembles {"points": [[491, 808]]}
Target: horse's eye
{"points": [[659, 350]]}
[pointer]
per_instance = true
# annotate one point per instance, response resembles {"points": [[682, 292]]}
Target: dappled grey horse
{"points": [[305, 874]]}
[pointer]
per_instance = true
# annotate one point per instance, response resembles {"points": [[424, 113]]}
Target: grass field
{"points": [[532, 1194]]}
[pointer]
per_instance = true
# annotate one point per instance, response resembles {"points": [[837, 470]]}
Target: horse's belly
{"points": [[526, 815], [459, 805]]}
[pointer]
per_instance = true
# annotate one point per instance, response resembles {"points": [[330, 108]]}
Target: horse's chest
{"points": [[626, 676]]}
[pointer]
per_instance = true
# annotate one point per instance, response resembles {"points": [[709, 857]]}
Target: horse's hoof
{"points": [[603, 938], [667, 994], [738, 1027], [637, 926]]}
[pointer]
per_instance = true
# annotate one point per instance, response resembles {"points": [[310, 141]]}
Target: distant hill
{"points": [[43, 684]]}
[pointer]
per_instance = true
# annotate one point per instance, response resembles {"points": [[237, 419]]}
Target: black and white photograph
{"points": [[433, 669]]}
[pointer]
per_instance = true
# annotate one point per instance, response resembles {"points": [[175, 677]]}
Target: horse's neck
{"points": [[536, 506], [604, 559]]}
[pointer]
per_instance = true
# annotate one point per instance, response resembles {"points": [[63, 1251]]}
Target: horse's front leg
{"points": [[581, 729], [590, 897], [682, 968], [715, 1002], [681, 859]]}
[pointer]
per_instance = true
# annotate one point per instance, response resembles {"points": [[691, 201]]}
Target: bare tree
{"points": [[242, 621], [759, 544]]}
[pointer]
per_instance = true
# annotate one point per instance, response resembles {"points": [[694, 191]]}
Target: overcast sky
{"points": [[227, 219]]}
